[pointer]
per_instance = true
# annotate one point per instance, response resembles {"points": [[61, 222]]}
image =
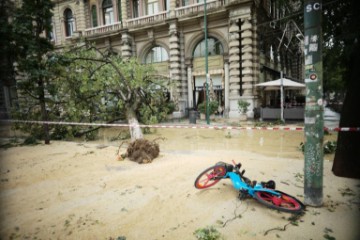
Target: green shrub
{"points": [[243, 106], [328, 147], [213, 107], [207, 233], [60, 132], [91, 136], [169, 107], [31, 140], [155, 112]]}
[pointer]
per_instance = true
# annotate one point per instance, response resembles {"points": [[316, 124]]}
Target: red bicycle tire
{"points": [[284, 203], [209, 177]]}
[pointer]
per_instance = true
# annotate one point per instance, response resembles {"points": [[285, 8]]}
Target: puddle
{"points": [[283, 144]]}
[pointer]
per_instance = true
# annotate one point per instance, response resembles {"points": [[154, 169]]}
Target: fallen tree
{"points": [[141, 151]]}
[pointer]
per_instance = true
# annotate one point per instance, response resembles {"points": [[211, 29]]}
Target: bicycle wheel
{"points": [[285, 202], [210, 177]]}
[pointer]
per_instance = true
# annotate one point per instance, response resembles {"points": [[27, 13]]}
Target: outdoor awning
{"points": [[276, 84]]}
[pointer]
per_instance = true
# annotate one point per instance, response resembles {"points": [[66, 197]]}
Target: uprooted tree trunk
{"points": [[142, 151], [134, 127], [135, 130]]}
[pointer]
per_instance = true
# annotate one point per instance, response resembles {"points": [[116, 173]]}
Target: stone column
{"points": [[227, 86], [190, 86], [124, 12], [234, 68], [183, 73], [234, 58], [175, 66], [80, 17], [251, 90], [172, 8], [240, 57], [247, 57], [58, 25], [256, 54], [126, 41], [115, 10]]}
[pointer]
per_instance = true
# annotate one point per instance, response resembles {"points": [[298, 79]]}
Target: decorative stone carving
{"points": [[151, 34]]}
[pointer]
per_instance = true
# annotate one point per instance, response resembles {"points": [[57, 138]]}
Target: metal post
{"points": [[281, 97], [314, 109], [206, 65]]}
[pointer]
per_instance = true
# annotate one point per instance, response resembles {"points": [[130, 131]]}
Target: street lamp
{"points": [[206, 64]]}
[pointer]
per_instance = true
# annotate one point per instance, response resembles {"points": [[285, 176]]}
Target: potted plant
{"points": [[213, 106], [243, 108]]}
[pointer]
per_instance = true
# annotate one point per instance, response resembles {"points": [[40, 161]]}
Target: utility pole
{"points": [[314, 109], [206, 64], [281, 97]]}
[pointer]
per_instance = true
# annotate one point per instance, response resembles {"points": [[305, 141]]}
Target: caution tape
{"points": [[189, 126]]}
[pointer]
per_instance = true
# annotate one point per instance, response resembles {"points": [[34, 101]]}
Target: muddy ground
{"points": [[79, 190]]}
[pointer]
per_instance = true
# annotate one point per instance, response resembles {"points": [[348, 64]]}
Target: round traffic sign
{"points": [[313, 76]]}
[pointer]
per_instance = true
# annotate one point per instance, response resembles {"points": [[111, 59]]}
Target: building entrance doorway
{"points": [[216, 90]]}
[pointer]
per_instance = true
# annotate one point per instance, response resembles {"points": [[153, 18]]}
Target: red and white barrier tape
{"points": [[336, 129]]}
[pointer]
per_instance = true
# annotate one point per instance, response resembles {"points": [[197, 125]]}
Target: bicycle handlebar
{"points": [[237, 167]]}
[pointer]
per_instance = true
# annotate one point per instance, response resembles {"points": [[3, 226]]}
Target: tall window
{"points": [[108, 12], [152, 7], [214, 48], [157, 54], [167, 5], [69, 23], [184, 3], [94, 16], [135, 8]]}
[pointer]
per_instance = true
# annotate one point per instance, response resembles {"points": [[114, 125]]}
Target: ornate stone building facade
{"points": [[170, 35]]}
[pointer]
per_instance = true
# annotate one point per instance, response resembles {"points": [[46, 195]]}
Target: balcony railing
{"points": [[159, 17], [103, 29], [196, 8]]}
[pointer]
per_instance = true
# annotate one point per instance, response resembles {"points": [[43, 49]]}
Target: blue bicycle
{"points": [[263, 192]]}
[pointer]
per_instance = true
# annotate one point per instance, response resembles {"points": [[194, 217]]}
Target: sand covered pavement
{"points": [[69, 190]]}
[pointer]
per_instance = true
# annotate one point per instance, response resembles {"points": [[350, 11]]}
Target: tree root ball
{"points": [[142, 151]]}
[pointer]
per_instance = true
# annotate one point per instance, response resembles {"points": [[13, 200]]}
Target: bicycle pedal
{"points": [[253, 184], [243, 194]]}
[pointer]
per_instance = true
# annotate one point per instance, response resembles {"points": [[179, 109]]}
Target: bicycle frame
{"points": [[239, 184], [263, 192]]}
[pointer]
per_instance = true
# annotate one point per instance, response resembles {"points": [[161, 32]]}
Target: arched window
{"points": [[156, 54], [214, 48], [108, 12], [94, 16], [69, 22]]}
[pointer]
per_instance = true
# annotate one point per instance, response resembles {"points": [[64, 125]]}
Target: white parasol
{"points": [[281, 84], [276, 84]]}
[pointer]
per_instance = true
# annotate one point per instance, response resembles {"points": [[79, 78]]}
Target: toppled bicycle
{"points": [[263, 192]]}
